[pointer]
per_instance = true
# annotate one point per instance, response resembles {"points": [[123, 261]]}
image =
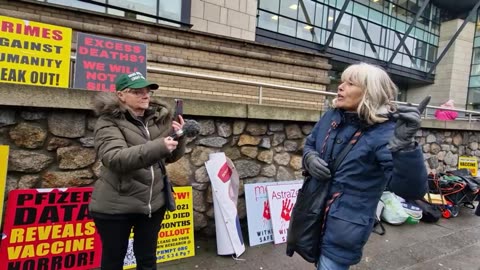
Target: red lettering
{"points": [[7, 27]]}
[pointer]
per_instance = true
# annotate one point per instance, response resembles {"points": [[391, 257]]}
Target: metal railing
{"points": [[469, 114]]}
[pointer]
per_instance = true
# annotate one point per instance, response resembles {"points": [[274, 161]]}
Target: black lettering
{"points": [[42, 264], [49, 213], [22, 198], [24, 216], [63, 197], [83, 212]]}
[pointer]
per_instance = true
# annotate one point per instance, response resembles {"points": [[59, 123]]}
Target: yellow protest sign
{"points": [[34, 53], [175, 240], [3, 176], [470, 163]]}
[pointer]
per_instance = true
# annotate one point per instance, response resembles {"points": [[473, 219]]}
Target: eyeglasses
{"points": [[139, 92]]}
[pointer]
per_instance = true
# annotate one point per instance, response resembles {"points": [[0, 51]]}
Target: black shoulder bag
{"points": [[168, 188], [305, 228]]}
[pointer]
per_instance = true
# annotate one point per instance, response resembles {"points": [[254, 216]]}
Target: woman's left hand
{"points": [[178, 125], [408, 123]]}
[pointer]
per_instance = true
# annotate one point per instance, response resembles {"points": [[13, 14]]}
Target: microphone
{"points": [[190, 129]]}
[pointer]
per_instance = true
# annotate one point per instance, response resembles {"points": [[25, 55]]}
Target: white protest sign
{"points": [[225, 185], [258, 211], [281, 199]]}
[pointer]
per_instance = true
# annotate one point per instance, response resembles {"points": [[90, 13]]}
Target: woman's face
{"points": [[348, 96], [137, 100]]}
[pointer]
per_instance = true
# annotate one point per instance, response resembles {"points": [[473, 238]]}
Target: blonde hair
{"points": [[378, 91]]}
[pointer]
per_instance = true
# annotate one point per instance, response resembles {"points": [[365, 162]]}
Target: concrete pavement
{"points": [[452, 244]]}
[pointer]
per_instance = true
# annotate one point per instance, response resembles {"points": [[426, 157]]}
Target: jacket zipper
{"points": [[153, 178]]}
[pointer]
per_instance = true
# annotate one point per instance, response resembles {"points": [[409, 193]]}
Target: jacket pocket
{"points": [[124, 185], [347, 230]]}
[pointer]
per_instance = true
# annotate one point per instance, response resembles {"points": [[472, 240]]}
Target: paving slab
{"points": [[452, 244]]}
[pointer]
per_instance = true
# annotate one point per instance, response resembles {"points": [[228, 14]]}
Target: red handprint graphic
{"points": [[266, 211], [287, 206]]}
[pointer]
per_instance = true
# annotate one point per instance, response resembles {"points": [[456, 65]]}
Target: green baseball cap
{"points": [[133, 80]]}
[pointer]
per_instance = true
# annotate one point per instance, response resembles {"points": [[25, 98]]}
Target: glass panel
{"points": [[289, 8], [476, 42], [398, 59], [476, 56], [344, 26], [170, 9], [375, 16], [369, 52], [287, 26], [305, 31], [318, 35], [330, 18], [309, 17], [432, 53], [357, 31], [406, 61], [115, 12], [474, 96], [268, 21], [146, 6], [421, 50], [319, 15], [374, 32], [410, 42], [475, 70], [341, 42], [79, 4], [377, 4], [357, 47], [360, 10], [270, 5], [475, 81]]}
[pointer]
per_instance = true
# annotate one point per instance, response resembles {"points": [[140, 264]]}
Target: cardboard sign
{"points": [[258, 211], [34, 53], [100, 60], [470, 163], [49, 229], [281, 199], [175, 240]]}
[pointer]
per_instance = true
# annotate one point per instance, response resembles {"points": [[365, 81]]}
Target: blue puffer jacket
{"points": [[360, 179]]}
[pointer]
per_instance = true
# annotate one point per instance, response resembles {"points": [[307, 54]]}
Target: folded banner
{"points": [[225, 184]]}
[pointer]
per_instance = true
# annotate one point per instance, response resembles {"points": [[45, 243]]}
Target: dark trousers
{"points": [[114, 231]]}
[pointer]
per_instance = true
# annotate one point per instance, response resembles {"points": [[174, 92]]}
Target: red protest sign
{"points": [[49, 229]]}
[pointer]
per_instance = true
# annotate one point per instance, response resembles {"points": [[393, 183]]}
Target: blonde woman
{"points": [[385, 156], [133, 142]]}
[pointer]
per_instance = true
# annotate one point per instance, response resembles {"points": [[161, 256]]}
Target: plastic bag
{"points": [[393, 213]]}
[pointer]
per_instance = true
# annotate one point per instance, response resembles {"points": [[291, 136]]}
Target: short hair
{"points": [[379, 91]]}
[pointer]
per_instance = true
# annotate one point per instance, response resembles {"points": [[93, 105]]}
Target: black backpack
{"points": [[430, 212]]}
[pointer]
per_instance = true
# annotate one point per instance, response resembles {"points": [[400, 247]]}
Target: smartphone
{"points": [[178, 108]]}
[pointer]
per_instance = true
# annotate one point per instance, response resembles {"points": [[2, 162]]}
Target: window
{"points": [[173, 12], [385, 22], [271, 5], [268, 21], [289, 8]]}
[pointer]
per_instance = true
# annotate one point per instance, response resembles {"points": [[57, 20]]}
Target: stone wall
{"points": [[53, 148]]}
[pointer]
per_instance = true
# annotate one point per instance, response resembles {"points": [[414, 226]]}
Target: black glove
{"points": [[316, 166], [408, 123]]}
